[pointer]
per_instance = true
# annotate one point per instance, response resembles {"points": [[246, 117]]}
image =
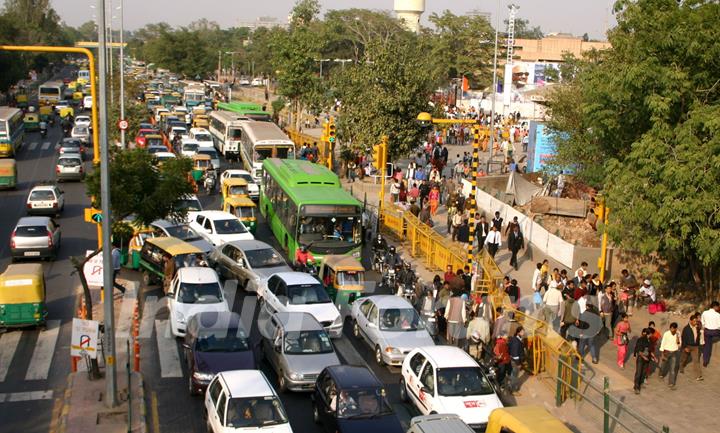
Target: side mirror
{"points": [[372, 325]]}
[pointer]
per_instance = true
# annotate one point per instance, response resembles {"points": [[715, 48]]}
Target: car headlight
{"points": [[392, 350], [202, 377], [295, 376], [338, 321], [180, 318]]}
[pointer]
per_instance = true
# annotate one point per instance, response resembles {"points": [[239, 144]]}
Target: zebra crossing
{"points": [[45, 145], [39, 366]]}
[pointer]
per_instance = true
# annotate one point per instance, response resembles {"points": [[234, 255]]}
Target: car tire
{"points": [[282, 383], [356, 329], [316, 413], [378, 356], [403, 391]]}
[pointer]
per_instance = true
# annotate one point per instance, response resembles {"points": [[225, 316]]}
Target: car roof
{"points": [[232, 171], [197, 275], [32, 221], [43, 188], [167, 223], [250, 245], [388, 301], [199, 130], [217, 215], [70, 155], [353, 376], [298, 321], [297, 277], [448, 356], [165, 154], [246, 383]]}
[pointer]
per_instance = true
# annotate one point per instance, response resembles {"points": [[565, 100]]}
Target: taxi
{"points": [[234, 188], [243, 208], [446, 379]]}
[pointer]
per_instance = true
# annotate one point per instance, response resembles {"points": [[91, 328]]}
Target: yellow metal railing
{"points": [[300, 139]]}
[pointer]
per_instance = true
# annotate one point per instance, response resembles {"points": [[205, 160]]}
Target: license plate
{"points": [[32, 253]]}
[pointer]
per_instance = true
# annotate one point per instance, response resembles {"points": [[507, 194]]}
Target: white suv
{"points": [[298, 291], [445, 379], [193, 290], [244, 401], [45, 200]]}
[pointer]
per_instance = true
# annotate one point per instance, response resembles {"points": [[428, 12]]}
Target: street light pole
{"points": [[110, 51], [101, 101], [494, 89], [122, 75]]}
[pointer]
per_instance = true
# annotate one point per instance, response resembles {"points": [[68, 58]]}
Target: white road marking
{"points": [[8, 345], [45, 145], [151, 306], [14, 397], [44, 350], [33, 145], [167, 350]]}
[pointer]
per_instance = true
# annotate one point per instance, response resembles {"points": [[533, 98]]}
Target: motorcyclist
{"points": [[176, 142], [405, 278], [43, 128], [379, 245], [392, 258], [210, 179], [303, 257]]}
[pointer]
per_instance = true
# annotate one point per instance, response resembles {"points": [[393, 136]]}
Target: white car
{"points": [[202, 136], [189, 148], [193, 290], [446, 379], [390, 325], [179, 130], [83, 120], [164, 156], [244, 82], [298, 291], [45, 200], [219, 227], [81, 132], [253, 187], [257, 82], [244, 401], [87, 102]]}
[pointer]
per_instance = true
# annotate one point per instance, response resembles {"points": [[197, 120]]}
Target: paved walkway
{"points": [[689, 401]]}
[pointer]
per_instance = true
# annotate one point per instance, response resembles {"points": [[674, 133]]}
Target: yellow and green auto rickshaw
{"points": [[201, 163], [8, 173], [66, 111], [21, 99], [32, 122], [22, 296], [343, 278], [77, 97], [234, 187], [524, 419], [200, 121], [155, 251], [46, 112], [243, 208], [135, 245]]}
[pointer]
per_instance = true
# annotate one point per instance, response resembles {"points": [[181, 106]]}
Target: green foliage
{"points": [[642, 120], [348, 32], [523, 30], [139, 187]]}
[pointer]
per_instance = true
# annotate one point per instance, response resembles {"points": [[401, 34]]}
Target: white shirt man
{"points": [[494, 237], [536, 279], [648, 290], [710, 319], [553, 296]]}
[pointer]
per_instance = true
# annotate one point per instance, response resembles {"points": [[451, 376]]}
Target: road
{"points": [[34, 364]]}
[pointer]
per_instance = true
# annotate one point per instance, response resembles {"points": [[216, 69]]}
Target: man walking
{"points": [[493, 241], [516, 242], [482, 230], [497, 221], [670, 354], [455, 316], [642, 359], [517, 356], [116, 268], [691, 339], [710, 320]]}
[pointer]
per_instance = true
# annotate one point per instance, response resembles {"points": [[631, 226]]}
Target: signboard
{"points": [[123, 124], [84, 339], [93, 215], [541, 147], [93, 270]]}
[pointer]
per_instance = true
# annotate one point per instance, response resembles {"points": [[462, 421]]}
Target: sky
{"points": [[567, 16]]}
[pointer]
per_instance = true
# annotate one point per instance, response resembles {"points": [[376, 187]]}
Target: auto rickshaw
{"points": [[66, 111], [524, 419], [343, 278], [201, 163], [156, 250], [8, 173], [77, 98], [32, 122], [234, 187], [135, 245], [21, 99], [243, 208], [22, 296], [46, 112], [200, 121]]}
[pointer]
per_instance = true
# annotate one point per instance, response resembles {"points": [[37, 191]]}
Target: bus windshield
{"points": [[234, 133], [329, 232]]}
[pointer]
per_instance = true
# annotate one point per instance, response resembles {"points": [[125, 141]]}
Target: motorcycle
{"points": [[489, 367], [379, 261], [210, 182], [307, 267]]}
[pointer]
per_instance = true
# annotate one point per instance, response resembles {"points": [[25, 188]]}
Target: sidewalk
{"points": [[84, 408], [651, 404]]}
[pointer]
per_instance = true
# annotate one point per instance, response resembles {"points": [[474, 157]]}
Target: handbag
{"points": [[624, 339]]}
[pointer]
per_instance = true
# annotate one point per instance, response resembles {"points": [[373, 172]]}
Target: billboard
{"points": [[541, 147]]}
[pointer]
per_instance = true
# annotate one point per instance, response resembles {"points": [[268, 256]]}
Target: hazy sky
{"points": [[570, 16]]}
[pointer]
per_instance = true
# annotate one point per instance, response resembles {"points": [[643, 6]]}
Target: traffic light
{"points": [[378, 156], [331, 131], [325, 132]]}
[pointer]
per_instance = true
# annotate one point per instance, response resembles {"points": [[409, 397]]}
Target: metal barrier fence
{"points": [[300, 139]]}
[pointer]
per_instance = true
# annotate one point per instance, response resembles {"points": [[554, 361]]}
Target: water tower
{"points": [[410, 11]]}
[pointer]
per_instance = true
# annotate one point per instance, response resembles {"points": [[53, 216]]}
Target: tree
{"points": [[385, 95], [641, 119], [349, 31], [304, 12], [524, 31], [462, 45]]}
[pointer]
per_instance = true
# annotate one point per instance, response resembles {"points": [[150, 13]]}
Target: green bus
{"points": [[304, 204], [251, 110]]}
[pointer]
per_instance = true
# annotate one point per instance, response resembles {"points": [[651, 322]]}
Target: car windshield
{"points": [[304, 294], [70, 147], [31, 231], [199, 293], [238, 190], [189, 204], [307, 343], [350, 278], [400, 320], [229, 227], [460, 381], [244, 211], [182, 232], [203, 137], [362, 403], [153, 141], [265, 258], [222, 340], [255, 412], [81, 130], [190, 147], [42, 194]]}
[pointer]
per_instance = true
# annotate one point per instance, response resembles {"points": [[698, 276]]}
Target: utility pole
{"points": [[494, 89], [219, 64], [109, 343], [110, 52], [122, 75]]}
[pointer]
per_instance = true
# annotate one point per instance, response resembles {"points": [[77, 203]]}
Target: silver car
{"points": [[69, 166], [297, 347], [250, 262], [82, 133], [391, 326], [35, 237]]}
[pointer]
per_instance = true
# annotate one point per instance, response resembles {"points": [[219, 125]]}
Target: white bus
{"points": [[12, 131], [225, 128], [83, 76], [50, 93], [261, 140]]}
